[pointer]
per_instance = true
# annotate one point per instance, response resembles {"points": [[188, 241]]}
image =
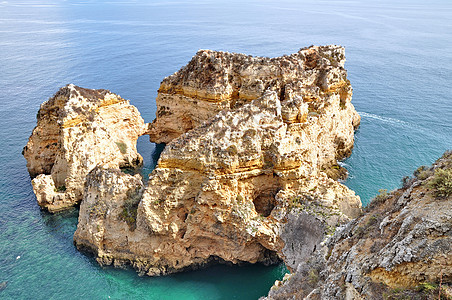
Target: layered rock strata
{"points": [[213, 81], [77, 130], [399, 249], [231, 185]]}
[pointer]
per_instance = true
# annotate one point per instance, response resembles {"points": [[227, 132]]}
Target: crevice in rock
{"points": [[150, 152], [270, 257], [264, 202], [282, 93]]}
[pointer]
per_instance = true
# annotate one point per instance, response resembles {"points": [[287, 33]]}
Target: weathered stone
{"points": [[213, 81], [77, 130], [222, 190], [109, 210]]}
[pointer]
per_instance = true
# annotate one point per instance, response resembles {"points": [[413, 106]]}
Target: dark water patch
{"points": [[156, 152], [61, 225], [214, 282]]}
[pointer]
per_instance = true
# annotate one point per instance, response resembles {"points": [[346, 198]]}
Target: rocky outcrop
{"points": [[77, 130], [248, 175], [400, 248], [110, 196], [213, 81], [232, 188]]}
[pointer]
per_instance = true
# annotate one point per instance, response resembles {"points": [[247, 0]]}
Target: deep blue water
{"points": [[399, 59]]}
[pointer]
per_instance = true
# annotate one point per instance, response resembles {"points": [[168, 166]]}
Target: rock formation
{"points": [[248, 175], [399, 249], [77, 130], [213, 81], [250, 144]]}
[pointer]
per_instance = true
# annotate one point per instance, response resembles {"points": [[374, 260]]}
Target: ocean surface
{"points": [[399, 61]]}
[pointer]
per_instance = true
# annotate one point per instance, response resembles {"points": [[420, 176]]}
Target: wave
{"points": [[404, 124], [387, 120]]}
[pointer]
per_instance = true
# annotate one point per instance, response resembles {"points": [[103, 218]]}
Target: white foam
{"points": [[400, 123], [386, 119]]}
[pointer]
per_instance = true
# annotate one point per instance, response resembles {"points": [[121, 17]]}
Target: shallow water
{"points": [[399, 59]]}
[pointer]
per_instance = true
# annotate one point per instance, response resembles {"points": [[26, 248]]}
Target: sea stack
{"points": [[249, 173], [77, 130]]}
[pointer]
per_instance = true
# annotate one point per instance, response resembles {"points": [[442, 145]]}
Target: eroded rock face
{"points": [[77, 130], [214, 80], [246, 176], [232, 188], [110, 195], [403, 240]]}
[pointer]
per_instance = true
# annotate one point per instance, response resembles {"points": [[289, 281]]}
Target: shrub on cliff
{"points": [[130, 208], [381, 197], [422, 173], [122, 147], [441, 183]]}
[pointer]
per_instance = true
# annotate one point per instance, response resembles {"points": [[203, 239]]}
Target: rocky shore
{"points": [[249, 172], [399, 248]]}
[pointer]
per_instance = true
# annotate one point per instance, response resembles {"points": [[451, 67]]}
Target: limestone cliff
{"points": [[77, 130], [231, 188], [248, 175], [400, 248], [215, 80]]}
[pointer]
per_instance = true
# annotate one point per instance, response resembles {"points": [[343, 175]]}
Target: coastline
{"points": [[402, 88]]}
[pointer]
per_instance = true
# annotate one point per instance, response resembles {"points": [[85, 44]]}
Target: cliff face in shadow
{"points": [[400, 248]]}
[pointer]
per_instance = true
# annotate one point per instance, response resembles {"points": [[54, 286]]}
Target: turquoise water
{"points": [[399, 58]]}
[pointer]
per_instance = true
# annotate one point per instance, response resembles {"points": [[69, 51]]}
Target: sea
{"points": [[399, 61]]}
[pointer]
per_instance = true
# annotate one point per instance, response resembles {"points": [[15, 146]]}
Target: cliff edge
{"points": [[400, 248]]}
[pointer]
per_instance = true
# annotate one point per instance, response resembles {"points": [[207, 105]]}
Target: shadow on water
{"points": [[151, 154], [217, 281], [61, 224], [156, 153]]}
